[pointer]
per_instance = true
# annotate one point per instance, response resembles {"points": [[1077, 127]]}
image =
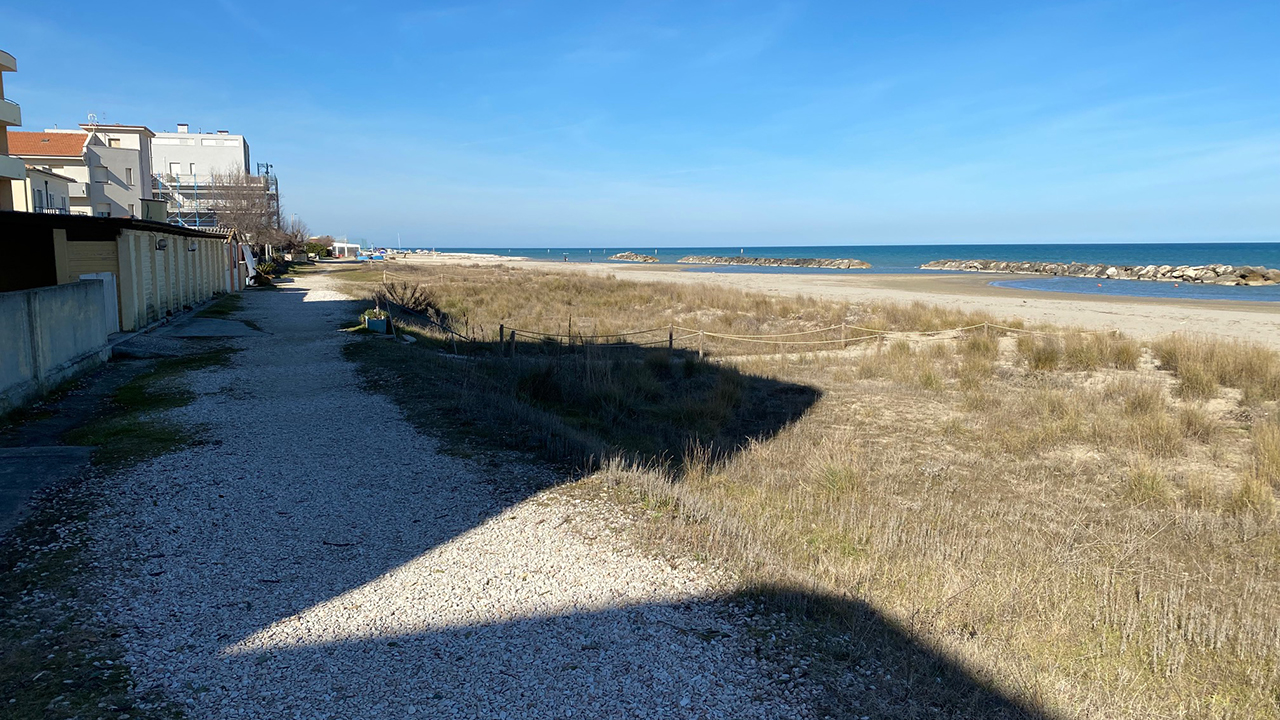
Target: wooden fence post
{"points": [[702, 339], [502, 340], [671, 338], [513, 343]]}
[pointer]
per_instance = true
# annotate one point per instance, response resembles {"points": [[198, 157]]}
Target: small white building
{"points": [[345, 250]]}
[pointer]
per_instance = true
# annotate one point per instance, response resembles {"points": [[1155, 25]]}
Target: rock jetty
{"points": [[633, 257], [843, 264], [1208, 274]]}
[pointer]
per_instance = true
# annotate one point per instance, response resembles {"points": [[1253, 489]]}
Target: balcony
{"points": [[12, 168], [78, 190], [7, 63], [10, 113]]}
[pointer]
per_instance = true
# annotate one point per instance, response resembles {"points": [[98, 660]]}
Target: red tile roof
{"points": [[47, 144]]}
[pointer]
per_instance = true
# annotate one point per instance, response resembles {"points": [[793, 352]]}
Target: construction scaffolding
{"points": [[195, 201]]}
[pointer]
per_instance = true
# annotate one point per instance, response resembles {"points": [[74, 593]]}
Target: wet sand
{"points": [[1140, 317]]}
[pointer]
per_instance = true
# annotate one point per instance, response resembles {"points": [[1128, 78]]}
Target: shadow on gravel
{"points": [[330, 528], [841, 659]]}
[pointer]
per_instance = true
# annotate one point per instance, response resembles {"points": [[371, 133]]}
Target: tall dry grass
{"points": [[1202, 365], [1088, 534], [477, 300]]}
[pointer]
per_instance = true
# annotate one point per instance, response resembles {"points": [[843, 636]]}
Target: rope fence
{"points": [[509, 334]]}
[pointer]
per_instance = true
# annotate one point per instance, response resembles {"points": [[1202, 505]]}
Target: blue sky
{"points": [[515, 123]]}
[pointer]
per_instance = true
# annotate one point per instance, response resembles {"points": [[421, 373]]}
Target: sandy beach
{"points": [[1140, 317]]}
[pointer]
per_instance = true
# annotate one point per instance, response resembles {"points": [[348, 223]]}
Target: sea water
{"points": [[909, 258]]}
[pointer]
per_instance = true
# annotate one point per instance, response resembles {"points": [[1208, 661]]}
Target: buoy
{"points": [[1099, 284]]}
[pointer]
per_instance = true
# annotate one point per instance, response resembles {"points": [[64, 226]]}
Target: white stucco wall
{"points": [[208, 153], [113, 188], [138, 140]]}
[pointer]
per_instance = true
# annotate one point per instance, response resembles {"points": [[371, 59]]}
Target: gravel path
{"points": [[280, 570]]}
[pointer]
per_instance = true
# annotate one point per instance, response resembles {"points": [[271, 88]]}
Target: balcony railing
{"points": [[51, 211]]}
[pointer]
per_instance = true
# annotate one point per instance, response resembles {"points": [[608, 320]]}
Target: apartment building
{"points": [[184, 153], [200, 174], [109, 165], [11, 168]]}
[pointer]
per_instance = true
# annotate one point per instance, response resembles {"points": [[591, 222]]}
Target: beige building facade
{"points": [[42, 191], [11, 168]]}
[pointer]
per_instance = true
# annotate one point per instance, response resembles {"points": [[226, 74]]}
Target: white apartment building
{"points": [[109, 165], [191, 170], [184, 153], [12, 169]]}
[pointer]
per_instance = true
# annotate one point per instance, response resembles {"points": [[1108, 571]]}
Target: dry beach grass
{"points": [[1085, 522]]}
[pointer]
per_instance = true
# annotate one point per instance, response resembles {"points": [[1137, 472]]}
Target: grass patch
{"points": [[125, 434], [224, 307], [1040, 352], [1201, 365], [1266, 451]]}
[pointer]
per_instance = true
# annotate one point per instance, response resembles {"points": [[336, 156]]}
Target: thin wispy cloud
{"points": [[810, 120], [247, 21]]}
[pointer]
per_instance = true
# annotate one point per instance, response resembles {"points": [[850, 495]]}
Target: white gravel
{"points": [[318, 558]]}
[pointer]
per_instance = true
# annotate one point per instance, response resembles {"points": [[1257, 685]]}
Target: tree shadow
{"points": [[310, 576]]}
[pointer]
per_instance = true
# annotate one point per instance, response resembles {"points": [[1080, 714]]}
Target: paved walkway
{"points": [[317, 557]]}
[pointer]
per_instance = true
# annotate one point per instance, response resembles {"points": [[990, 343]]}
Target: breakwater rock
{"points": [[633, 257], [1208, 274], [842, 264]]}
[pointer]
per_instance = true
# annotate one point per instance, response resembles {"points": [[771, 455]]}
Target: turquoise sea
{"points": [[908, 259]]}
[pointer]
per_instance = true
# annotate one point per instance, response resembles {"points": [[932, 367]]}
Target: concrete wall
{"points": [[157, 283], [49, 335]]}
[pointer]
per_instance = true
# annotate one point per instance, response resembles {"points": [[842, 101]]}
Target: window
{"points": [[102, 210], [37, 199], [130, 209], [113, 142], [98, 173], [128, 176], [175, 168], [193, 168]]}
